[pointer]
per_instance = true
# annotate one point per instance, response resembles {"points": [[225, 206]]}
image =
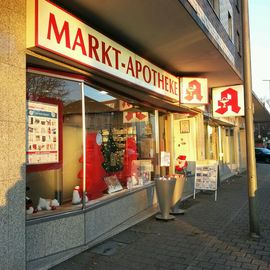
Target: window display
{"points": [[51, 171], [123, 129], [117, 138]]}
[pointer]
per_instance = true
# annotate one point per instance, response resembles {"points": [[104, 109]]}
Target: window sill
{"points": [[68, 209]]}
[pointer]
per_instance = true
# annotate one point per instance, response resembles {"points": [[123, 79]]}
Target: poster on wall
{"points": [[206, 176], [165, 159], [43, 133]]}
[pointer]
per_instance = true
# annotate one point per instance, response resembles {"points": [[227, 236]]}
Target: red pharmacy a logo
{"points": [[194, 89], [229, 97]]}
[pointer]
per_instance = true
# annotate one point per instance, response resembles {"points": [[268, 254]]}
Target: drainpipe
{"points": [[251, 162]]}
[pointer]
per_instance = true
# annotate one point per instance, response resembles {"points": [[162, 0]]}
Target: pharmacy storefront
{"points": [[98, 119]]}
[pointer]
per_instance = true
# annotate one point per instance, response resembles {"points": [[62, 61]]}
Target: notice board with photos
{"points": [[206, 176], [44, 134]]}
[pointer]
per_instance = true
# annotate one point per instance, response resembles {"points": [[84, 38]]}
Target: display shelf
{"points": [[119, 135], [69, 208]]}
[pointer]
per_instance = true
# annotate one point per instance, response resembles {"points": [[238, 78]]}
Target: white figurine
{"points": [[76, 199]]}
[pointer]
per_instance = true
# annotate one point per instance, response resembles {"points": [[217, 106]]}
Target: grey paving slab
{"points": [[211, 235]]}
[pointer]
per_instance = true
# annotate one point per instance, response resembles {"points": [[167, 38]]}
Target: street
{"points": [[211, 235]]}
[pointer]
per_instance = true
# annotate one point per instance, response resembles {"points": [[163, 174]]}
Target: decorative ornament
{"points": [[29, 208], [94, 182], [47, 204], [113, 159], [99, 138], [181, 164], [112, 155], [76, 199]]}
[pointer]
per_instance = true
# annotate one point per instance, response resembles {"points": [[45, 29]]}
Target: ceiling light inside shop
{"points": [[103, 92]]}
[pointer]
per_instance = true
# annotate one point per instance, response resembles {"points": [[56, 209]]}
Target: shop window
{"points": [[238, 42], [165, 147], [229, 146], [83, 145], [237, 6], [54, 141], [120, 141], [215, 6], [230, 26], [211, 142]]}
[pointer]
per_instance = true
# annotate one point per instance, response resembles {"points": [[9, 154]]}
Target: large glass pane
{"points": [[165, 145], [54, 143], [211, 142], [120, 144]]}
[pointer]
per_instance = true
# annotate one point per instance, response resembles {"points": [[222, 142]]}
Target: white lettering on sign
{"points": [[61, 33]]}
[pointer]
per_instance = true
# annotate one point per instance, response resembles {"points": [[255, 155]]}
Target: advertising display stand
{"points": [[206, 176], [165, 189]]}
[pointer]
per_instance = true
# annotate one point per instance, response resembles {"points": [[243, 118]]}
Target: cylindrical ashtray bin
{"points": [[165, 189], [177, 195]]}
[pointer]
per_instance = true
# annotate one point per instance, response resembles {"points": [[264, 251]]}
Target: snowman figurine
{"points": [[76, 199]]}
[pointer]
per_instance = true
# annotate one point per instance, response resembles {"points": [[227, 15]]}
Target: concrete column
{"points": [[12, 135]]}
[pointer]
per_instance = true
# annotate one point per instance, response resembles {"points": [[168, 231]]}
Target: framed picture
{"points": [[184, 126]]}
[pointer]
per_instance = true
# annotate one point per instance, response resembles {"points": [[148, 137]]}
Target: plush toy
{"points": [[76, 198], [181, 164], [29, 208], [54, 204], [47, 204], [94, 182]]}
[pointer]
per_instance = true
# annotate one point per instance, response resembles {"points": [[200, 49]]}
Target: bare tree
{"points": [[44, 86]]}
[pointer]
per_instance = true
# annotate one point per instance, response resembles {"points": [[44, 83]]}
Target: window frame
{"points": [[215, 5], [230, 25], [238, 43]]}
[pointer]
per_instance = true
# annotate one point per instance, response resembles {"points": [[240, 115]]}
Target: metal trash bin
{"points": [[165, 189], [177, 195]]}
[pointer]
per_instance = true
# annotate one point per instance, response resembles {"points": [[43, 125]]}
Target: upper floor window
{"points": [[238, 42], [237, 5], [215, 6], [230, 26]]}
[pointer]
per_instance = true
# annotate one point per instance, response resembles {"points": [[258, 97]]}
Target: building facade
{"points": [[93, 111]]}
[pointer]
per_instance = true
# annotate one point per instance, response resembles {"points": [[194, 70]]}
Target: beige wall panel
{"points": [[12, 138]]}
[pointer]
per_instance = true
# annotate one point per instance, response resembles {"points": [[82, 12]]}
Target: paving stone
{"points": [[221, 267], [217, 260], [250, 266], [211, 235], [206, 265], [233, 263]]}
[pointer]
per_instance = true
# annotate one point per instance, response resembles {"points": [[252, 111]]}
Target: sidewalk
{"points": [[211, 235]]}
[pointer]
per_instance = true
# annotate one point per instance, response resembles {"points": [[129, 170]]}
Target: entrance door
{"points": [[185, 138]]}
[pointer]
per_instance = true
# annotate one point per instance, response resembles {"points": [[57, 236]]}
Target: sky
{"points": [[259, 22]]}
